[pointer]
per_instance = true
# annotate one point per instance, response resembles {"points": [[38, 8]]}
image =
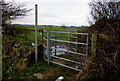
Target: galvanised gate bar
{"points": [[66, 48]]}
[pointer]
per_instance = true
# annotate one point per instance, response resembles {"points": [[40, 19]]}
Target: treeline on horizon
{"points": [[42, 26]]}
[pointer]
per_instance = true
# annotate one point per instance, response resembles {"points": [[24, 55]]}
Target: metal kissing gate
{"points": [[68, 49]]}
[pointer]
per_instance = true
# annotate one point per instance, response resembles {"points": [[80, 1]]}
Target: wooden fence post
{"points": [[94, 44], [25, 33], [41, 35], [88, 44]]}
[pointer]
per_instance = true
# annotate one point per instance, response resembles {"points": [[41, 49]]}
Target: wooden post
{"points": [[41, 34], [25, 33], [89, 44], [94, 44], [14, 31], [87, 50]]}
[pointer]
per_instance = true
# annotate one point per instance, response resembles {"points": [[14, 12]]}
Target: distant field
{"points": [[29, 33], [61, 29]]}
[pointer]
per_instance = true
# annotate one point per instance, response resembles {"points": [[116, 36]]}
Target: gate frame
{"points": [[91, 48]]}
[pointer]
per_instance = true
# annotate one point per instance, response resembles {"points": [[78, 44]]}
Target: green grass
{"points": [[60, 29], [38, 67], [31, 34], [67, 56], [59, 36]]}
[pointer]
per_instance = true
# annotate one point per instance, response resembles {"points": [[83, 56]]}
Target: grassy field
{"points": [[31, 34]]}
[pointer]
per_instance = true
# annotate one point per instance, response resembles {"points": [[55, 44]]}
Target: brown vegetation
{"points": [[105, 66]]}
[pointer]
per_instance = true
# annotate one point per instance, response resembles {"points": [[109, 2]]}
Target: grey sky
{"points": [[57, 12]]}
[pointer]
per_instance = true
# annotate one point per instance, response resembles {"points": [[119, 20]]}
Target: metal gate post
{"points": [[48, 46], [36, 33], [55, 44]]}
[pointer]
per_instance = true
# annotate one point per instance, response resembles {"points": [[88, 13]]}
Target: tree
{"points": [[12, 11], [63, 26], [104, 9], [106, 17]]}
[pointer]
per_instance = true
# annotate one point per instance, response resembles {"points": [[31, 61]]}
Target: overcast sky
{"points": [[57, 12]]}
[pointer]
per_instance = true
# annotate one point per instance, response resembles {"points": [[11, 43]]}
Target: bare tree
{"points": [[104, 9], [106, 17], [12, 11]]}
